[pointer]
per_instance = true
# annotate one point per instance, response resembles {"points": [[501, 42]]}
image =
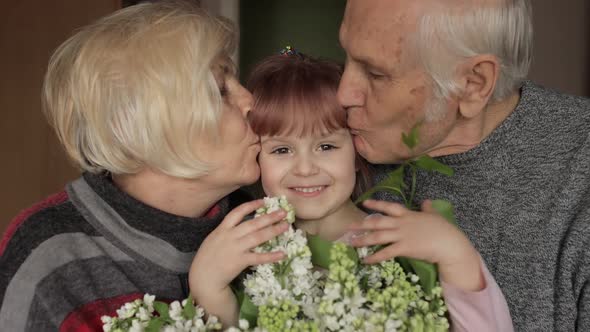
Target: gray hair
{"points": [[504, 30]]}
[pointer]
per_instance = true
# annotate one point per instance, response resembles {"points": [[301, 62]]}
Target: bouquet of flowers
{"points": [[293, 295], [320, 285]]}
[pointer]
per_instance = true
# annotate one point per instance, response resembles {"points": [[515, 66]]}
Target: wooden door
{"points": [[32, 162]]}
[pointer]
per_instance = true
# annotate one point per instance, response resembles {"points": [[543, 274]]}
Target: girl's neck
{"points": [[333, 226]]}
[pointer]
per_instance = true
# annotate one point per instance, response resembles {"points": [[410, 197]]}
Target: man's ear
{"points": [[478, 77]]}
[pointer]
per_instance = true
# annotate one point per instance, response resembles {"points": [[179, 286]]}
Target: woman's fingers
{"points": [[388, 208], [238, 214], [373, 238]]}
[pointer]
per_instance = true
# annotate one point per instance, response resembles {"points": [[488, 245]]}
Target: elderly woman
{"points": [[146, 103]]}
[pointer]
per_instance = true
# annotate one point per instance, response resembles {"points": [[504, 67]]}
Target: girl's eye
{"points": [[327, 147], [281, 150]]}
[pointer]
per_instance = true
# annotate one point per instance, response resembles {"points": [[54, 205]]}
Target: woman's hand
{"points": [[226, 252], [421, 235]]}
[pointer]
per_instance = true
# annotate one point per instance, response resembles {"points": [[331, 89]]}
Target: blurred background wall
{"points": [[32, 162]]}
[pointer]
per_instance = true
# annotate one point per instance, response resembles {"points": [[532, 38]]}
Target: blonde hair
{"points": [[502, 28], [136, 89]]}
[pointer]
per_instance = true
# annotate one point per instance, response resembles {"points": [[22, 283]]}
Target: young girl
{"points": [[308, 156]]}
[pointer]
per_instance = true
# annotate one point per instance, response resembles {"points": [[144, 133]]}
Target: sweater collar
{"points": [[184, 233], [502, 134]]}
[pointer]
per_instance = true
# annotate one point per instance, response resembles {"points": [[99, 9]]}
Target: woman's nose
{"points": [[245, 100]]}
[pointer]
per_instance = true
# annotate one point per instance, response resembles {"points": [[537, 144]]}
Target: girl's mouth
{"points": [[308, 191]]}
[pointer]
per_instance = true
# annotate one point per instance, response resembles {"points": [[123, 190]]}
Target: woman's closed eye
{"points": [[223, 91]]}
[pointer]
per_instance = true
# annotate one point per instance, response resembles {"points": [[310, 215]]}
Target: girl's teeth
{"points": [[309, 190]]}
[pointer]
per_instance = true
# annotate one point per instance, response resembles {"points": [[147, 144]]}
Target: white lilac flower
{"points": [[272, 204], [175, 311], [243, 324], [137, 326], [144, 314], [148, 300], [292, 295]]}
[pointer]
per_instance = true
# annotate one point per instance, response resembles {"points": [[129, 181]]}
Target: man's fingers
{"points": [[254, 259], [388, 208], [389, 252], [238, 214], [255, 224], [373, 238]]}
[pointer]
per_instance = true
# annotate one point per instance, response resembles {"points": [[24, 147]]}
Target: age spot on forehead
{"points": [[418, 91]]}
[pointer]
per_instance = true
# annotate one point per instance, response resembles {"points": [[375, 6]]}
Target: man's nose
{"points": [[350, 90]]}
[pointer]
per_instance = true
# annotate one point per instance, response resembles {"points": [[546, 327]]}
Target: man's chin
{"points": [[365, 151], [378, 157]]}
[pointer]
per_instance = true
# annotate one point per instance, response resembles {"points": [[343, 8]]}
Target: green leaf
{"points": [[445, 209], [321, 250], [248, 310], [427, 272], [411, 140], [155, 325], [189, 311], [429, 164], [162, 309], [393, 183]]}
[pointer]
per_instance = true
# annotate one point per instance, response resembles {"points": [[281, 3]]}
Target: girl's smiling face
{"points": [[316, 172]]}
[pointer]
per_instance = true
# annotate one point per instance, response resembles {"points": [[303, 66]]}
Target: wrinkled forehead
{"points": [[379, 29], [364, 17]]}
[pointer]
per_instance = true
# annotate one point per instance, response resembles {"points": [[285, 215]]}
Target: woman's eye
{"points": [[280, 151], [223, 90], [327, 147]]}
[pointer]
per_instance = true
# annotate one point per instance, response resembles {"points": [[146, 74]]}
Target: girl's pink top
{"points": [[484, 310]]}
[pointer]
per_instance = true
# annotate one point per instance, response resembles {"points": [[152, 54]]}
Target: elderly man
{"points": [[521, 153]]}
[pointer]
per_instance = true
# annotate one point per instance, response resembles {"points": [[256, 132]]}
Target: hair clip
{"points": [[288, 50]]}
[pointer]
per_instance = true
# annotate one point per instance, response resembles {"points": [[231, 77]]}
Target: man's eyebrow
{"points": [[364, 59], [369, 62]]}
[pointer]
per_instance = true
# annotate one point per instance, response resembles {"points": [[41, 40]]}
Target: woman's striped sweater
{"points": [[83, 252]]}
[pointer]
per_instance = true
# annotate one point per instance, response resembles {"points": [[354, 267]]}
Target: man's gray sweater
{"points": [[523, 198]]}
